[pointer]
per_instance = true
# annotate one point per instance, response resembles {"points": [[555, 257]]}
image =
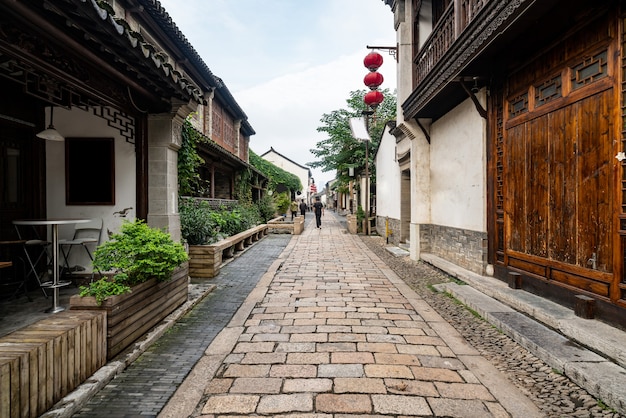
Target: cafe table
{"points": [[54, 223]]}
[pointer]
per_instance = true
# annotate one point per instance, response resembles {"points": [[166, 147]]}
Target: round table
{"points": [[54, 223]]}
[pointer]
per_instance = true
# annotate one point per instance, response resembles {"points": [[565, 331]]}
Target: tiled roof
{"points": [[160, 15], [203, 77]]}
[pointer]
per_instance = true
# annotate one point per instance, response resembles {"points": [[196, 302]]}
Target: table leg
{"points": [[55, 271]]}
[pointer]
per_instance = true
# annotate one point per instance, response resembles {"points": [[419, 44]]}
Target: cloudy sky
{"points": [[287, 62]]}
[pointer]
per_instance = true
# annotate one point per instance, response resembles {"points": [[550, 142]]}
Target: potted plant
{"points": [[360, 218], [146, 280]]}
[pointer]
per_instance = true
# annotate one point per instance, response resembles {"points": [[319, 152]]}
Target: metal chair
{"points": [[85, 234], [35, 250]]}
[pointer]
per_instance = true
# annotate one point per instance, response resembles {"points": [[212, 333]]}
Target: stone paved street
{"points": [[332, 331], [144, 387], [332, 325]]}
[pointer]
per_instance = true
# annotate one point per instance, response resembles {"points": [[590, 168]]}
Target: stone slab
{"points": [[397, 252]]}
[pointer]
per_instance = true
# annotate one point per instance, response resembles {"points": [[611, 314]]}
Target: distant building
{"points": [[301, 171]]}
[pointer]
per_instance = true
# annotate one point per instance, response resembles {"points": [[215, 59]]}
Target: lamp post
{"points": [[372, 99], [360, 132]]}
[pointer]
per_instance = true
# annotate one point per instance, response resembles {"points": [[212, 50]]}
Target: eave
{"points": [[477, 51], [76, 31]]}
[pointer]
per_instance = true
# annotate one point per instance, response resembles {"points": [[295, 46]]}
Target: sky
{"points": [[288, 62]]}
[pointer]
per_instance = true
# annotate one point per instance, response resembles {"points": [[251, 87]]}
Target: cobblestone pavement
{"points": [[146, 385], [553, 393], [333, 332]]}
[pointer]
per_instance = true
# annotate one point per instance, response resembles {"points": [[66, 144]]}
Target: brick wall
{"points": [[465, 248]]}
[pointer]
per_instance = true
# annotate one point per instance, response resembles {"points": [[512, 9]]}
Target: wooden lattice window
{"points": [[548, 90], [589, 70], [518, 105]]}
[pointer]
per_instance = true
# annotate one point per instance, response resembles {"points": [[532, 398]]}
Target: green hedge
{"points": [[201, 224]]}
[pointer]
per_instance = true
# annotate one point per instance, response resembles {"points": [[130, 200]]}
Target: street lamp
{"points": [[358, 126]]}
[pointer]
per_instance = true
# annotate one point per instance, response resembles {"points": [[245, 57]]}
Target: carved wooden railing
{"points": [[452, 23], [469, 9]]}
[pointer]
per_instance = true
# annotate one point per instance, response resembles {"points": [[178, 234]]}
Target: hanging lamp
{"points": [[51, 134]]}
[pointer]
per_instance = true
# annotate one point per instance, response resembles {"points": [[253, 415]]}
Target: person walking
{"points": [[303, 208], [318, 208], [293, 208]]}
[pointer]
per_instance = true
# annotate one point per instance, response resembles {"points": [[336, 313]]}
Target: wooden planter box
{"points": [[205, 261], [131, 315], [43, 362]]}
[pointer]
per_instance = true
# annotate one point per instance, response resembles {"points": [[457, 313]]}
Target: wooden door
{"points": [[559, 206]]}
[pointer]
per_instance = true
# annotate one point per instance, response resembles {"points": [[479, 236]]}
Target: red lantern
{"points": [[373, 98], [372, 61], [373, 79]]}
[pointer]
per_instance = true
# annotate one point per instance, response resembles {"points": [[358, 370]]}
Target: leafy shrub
{"points": [[103, 288], [282, 202], [136, 254], [267, 209], [232, 221], [199, 224], [360, 217]]}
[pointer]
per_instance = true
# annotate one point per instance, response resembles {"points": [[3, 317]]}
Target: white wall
{"points": [[404, 37], [78, 123], [458, 168], [290, 167], [387, 178]]}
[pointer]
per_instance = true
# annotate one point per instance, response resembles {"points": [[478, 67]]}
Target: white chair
{"points": [[85, 234]]}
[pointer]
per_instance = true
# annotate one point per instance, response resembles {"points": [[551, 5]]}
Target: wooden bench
{"points": [[43, 362], [206, 260]]}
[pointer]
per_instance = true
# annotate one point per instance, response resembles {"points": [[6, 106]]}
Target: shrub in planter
{"points": [[282, 203], [360, 217], [135, 255], [199, 223], [240, 218], [267, 209]]}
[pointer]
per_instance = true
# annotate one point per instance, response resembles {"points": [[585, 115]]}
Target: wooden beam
{"points": [[481, 110]]}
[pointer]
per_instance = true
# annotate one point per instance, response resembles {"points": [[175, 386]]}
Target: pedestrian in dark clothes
{"points": [[303, 207], [318, 208]]}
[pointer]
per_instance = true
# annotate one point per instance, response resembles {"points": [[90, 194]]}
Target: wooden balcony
{"points": [[462, 45], [455, 20]]}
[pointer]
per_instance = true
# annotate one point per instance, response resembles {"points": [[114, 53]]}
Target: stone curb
{"points": [[584, 367]]}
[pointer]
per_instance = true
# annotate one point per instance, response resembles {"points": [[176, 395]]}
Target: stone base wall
{"points": [[279, 225], [465, 248], [351, 224], [394, 229]]}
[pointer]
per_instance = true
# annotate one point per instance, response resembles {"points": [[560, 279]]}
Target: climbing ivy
{"points": [[276, 175], [243, 185], [189, 162]]}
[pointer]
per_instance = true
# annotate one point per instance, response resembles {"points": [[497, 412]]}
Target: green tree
{"points": [[340, 151]]}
